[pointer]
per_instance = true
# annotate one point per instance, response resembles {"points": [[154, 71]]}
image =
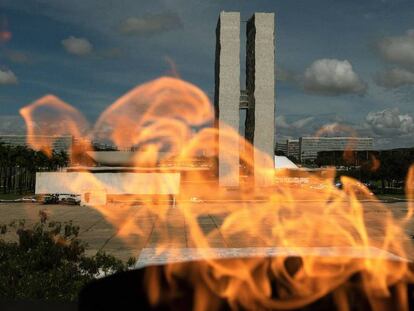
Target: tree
{"points": [[48, 262], [19, 164]]}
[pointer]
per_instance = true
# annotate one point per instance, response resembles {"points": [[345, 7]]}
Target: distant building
{"points": [[310, 146], [281, 147], [289, 148], [293, 148], [60, 143]]}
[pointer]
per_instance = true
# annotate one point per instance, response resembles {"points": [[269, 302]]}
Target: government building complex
{"points": [[305, 149]]}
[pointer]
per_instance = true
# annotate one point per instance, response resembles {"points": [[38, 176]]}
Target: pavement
{"points": [[101, 235]]}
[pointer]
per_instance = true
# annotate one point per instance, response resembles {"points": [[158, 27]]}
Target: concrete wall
{"points": [[111, 183], [260, 84], [227, 94]]}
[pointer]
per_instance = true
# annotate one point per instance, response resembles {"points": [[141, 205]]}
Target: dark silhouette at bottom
{"points": [[128, 291]]}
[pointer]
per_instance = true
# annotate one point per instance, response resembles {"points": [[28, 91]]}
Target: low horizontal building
{"points": [[310, 146], [118, 174], [293, 148], [281, 147], [288, 147]]}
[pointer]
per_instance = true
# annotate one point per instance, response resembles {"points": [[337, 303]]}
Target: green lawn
{"points": [[14, 196]]}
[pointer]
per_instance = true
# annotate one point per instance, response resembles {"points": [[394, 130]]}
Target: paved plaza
{"points": [[98, 232]]}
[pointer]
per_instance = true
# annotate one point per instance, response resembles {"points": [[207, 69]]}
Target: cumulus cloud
{"points": [[294, 126], [332, 77], [77, 46], [394, 78], [150, 24], [7, 77], [399, 49], [390, 122], [336, 129], [298, 124], [390, 128]]}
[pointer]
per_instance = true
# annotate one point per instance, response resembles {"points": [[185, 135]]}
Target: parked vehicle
{"points": [[70, 199], [51, 199]]}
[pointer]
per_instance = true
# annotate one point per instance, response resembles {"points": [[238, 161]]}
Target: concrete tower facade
{"points": [[260, 88], [227, 93]]}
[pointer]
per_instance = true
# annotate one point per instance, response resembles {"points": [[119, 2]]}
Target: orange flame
{"points": [[5, 34], [348, 154], [375, 164], [50, 116], [323, 237]]}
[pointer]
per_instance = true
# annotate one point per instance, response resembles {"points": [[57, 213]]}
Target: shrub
{"points": [[48, 262]]}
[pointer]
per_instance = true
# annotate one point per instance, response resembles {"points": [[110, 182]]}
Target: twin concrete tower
{"points": [[258, 98]]}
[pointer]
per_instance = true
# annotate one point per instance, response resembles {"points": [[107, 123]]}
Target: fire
{"points": [[327, 241], [5, 34], [50, 116]]}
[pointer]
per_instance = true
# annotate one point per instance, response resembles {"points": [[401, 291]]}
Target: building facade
{"points": [[258, 99], [310, 146], [227, 93], [292, 146], [260, 86], [281, 147], [288, 147]]}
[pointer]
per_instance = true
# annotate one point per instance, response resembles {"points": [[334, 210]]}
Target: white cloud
{"points": [[333, 128], [295, 126], [301, 123], [151, 24], [332, 77], [77, 46], [399, 49], [394, 78], [390, 122], [281, 122], [390, 128], [7, 77]]}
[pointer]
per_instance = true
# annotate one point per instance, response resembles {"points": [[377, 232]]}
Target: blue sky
{"points": [[349, 62]]}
